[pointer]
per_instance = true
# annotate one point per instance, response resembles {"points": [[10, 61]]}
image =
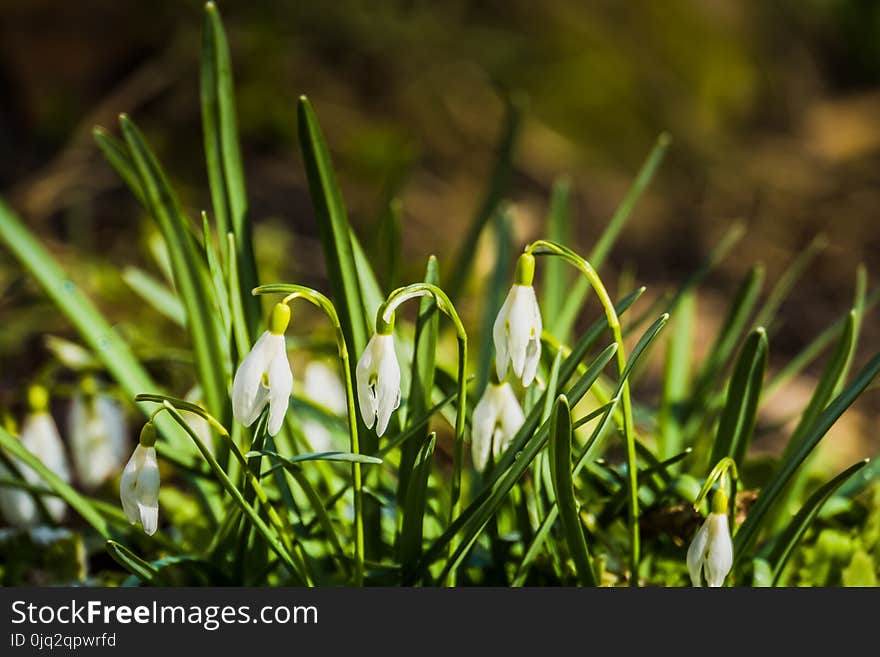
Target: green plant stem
{"points": [[322, 302], [386, 312], [544, 247]]}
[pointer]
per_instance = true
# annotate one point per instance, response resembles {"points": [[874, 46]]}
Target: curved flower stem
{"points": [[322, 302], [385, 314], [719, 474], [544, 247]]}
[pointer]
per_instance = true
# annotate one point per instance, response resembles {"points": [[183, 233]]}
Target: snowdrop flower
{"points": [[139, 486], [378, 379], [322, 385], [97, 435], [39, 435], [264, 376], [711, 551], [517, 330], [497, 417]]}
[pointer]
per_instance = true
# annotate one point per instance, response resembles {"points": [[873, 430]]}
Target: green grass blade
{"points": [[560, 469], [556, 274], [498, 184], [422, 380], [190, 272], [334, 230], [116, 154], [412, 524], [223, 157], [371, 291], [676, 378], [728, 336], [155, 293], [743, 394], [132, 562], [787, 281], [788, 466], [96, 332], [346, 457], [795, 528], [564, 322], [66, 492]]}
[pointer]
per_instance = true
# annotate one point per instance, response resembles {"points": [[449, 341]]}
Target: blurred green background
{"points": [[773, 109]]}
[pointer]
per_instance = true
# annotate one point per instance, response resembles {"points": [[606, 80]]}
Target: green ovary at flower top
{"points": [[139, 485], [264, 376], [517, 329]]}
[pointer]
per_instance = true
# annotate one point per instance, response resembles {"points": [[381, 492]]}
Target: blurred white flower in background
{"points": [[98, 436], [323, 385], [39, 435]]}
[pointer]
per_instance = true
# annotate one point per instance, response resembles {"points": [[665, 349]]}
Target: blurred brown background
{"points": [[774, 111]]}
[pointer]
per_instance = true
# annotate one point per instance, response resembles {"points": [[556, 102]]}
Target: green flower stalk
{"points": [[544, 247]]}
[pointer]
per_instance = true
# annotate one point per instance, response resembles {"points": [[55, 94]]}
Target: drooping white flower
{"points": [[98, 437], [711, 552], [497, 417], [378, 382], [139, 485], [322, 385], [264, 376], [39, 435], [517, 329]]}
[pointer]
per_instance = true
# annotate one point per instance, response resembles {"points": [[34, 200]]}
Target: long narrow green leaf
{"points": [[412, 524], [333, 228], [132, 562], [346, 457], [788, 466], [76, 501], [116, 153], [190, 271], [223, 157], [96, 332], [741, 408], [676, 378], [498, 184], [557, 279], [422, 380], [795, 528], [725, 342], [560, 469], [561, 326], [787, 281]]}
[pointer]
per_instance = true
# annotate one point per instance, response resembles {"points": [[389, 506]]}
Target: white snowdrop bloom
{"points": [[497, 417], [264, 376], [711, 552], [378, 381], [517, 329], [98, 437], [39, 435], [139, 486], [322, 385]]}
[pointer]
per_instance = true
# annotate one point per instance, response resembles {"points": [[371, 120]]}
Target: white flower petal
{"points": [[697, 553], [482, 427], [280, 387], [719, 551], [128, 485], [39, 434], [499, 336], [248, 393], [363, 375]]}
